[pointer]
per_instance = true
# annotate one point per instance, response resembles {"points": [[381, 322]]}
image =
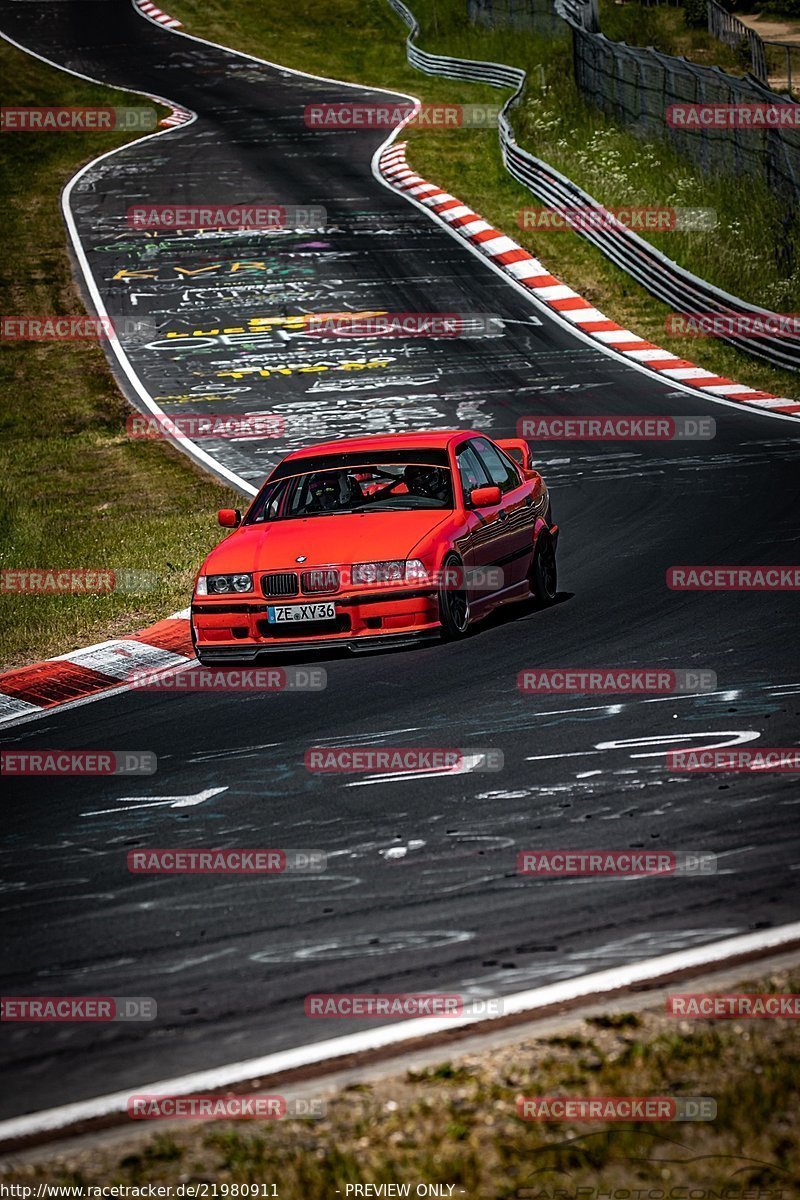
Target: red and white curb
{"points": [[528, 271], [156, 14], [94, 669], [178, 116]]}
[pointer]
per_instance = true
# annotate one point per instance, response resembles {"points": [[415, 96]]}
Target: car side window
{"points": [[501, 471], [471, 469]]}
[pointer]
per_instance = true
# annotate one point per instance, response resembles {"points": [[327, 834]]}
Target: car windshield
{"points": [[359, 488]]}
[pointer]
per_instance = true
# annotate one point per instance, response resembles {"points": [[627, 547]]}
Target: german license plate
{"points": [[277, 614]]}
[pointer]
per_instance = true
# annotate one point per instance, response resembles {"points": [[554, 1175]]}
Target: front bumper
{"points": [[226, 629]]}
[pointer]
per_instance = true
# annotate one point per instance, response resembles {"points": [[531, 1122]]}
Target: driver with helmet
{"points": [[432, 482], [332, 490]]}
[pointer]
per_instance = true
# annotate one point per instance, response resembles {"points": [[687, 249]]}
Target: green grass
{"points": [[664, 27], [752, 252], [75, 491], [456, 1123]]}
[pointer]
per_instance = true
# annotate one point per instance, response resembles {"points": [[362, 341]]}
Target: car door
{"points": [[487, 543], [515, 513]]}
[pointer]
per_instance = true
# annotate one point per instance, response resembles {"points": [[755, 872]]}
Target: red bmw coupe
{"points": [[377, 541]]}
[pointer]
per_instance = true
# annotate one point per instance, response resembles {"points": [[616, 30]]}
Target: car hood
{"points": [[345, 538]]}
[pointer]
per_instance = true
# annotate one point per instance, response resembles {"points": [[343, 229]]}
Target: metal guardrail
{"points": [[663, 278], [729, 29], [580, 12], [789, 48]]}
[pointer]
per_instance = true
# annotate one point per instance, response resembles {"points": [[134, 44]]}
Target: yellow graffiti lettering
{"points": [[126, 274], [199, 271], [304, 368], [263, 324], [253, 265]]}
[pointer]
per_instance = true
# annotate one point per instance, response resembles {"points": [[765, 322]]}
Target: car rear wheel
{"points": [[453, 599], [544, 573]]}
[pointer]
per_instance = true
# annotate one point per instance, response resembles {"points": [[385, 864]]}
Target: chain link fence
{"points": [[734, 33], [520, 14], [637, 85], [671, 283]]}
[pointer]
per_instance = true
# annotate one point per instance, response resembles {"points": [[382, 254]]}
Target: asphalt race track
{"points": [[421, 891]]}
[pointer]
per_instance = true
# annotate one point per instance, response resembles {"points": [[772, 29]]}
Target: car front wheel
{"points": [[453, 599]]}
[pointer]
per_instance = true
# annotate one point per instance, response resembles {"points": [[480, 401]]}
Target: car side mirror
{"points": [[484, 497], [229, 518]]}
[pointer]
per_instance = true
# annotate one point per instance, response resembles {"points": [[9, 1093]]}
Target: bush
{"points": [[778, 8], [696, 13]]}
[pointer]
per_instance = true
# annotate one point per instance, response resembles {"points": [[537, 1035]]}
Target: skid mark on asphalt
{"points": [[554, 967], [362, 946], [634, 465]]}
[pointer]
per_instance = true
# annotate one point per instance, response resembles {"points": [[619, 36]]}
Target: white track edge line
{"points": [[188, 447], [214, 1078]]}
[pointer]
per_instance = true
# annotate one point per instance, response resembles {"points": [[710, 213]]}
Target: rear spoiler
{"points": [[518, 449]]}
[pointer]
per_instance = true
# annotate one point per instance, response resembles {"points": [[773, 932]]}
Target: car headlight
{"points": [[416, 572], [379, 572], [396, 570], [221, 585], [201, 587]]}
